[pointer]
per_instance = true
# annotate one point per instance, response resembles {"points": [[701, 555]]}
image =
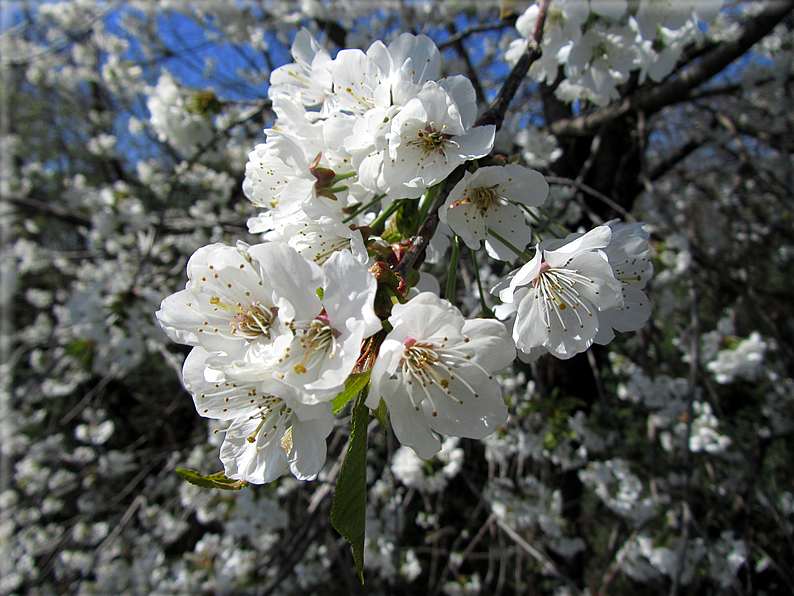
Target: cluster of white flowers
{"points": [[599, 43], [577, 291], [743, 362], [279, 327]]}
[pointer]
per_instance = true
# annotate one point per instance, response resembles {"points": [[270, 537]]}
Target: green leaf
{"points": [[349, 509], [353, 386], [217, 480], [380, 414]]}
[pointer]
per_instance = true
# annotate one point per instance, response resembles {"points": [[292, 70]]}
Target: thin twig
{"points": [[686, 512], [548, 565], [88, 397], [592, 192]]}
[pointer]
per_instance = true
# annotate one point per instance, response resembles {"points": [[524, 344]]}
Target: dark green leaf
{"points": [[349, 509], [380, 414]]}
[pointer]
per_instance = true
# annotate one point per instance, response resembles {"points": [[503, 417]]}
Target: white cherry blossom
{"points": [[435, 373], [228, 306], [327, 340], [307, 80], [745, 362], [627, 252], [488, 200], [174, 123], [432, 135], [267, 434], [559, 292]]}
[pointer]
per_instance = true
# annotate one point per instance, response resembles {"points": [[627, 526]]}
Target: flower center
{"points": [[432, 365], [484, 197], [317, 338], [418, 361], [251, 322], [431, 140], [558, 286]]}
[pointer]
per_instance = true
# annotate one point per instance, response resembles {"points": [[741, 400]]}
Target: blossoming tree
{"points": [[401, 276]]}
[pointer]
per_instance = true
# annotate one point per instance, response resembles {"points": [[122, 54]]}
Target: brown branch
{"points": [[31, 205], [679, 89], [460, 36], [593, 193], [674, 159]]}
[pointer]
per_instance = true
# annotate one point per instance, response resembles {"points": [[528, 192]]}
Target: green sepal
{"points": [[218, 480], [204, 103], [380, 414], [353, 386], [349, 509]]}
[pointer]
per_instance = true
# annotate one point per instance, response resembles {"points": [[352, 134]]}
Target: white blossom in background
{"points": [[642, 560], [435, 371], [598, 44], [726, 556], [492, 199], [622, 491], [744, 362], [597, 64], [658, 55], [172, 120], [539, 149], [563, 28], [412, 471], [703, 433], [655, 15]]}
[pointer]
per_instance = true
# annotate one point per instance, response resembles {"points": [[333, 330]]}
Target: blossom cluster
{"points": [[279, 327], [598, 44]]}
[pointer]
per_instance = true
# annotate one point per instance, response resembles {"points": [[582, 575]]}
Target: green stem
{"points": [[485, 311], [540, 222], [339, 177], [380, 221], [452, 274], [428, 200], [545, 214], [509, 245], [364, 208]]}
